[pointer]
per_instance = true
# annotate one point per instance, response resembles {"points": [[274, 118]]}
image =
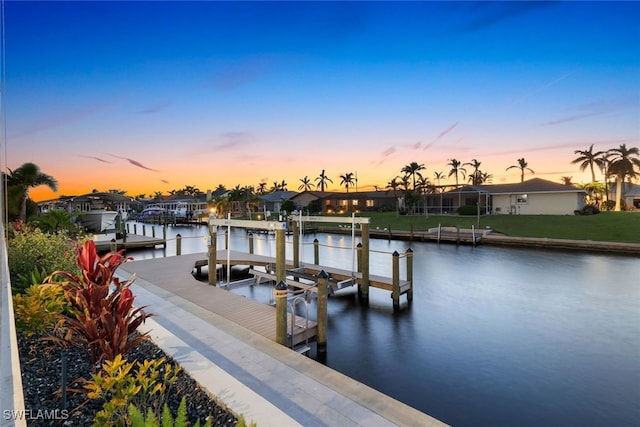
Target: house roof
{"points": [[628, 189], [277, 196], [534, 185]]}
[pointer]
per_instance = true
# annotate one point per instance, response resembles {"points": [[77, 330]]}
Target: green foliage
{"points": [[37, 277], [121, 384], [242, 423], [139, 420], [288, 206], [468, 210], [55, 221], [101, 318], [29, 248], [588, 210], [37, 310]]}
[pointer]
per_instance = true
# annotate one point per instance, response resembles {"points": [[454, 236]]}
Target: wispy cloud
{"points": [[134, 162], [487, 14], [583, 111], [155, 108], [541, 88], [96, 158], [441, 135]]}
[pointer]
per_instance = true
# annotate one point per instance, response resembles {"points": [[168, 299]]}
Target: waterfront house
{"points": [[338, 202], [630, 195], [535, 196]]}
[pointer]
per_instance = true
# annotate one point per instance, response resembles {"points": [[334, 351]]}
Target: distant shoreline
{"points": [[498, 239]]}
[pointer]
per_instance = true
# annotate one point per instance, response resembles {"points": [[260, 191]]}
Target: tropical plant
{"points": [[347, 179], [523, 166], [101, 319], [475, 177], [137, 419], [587, 158], [566, 180], [413, 169], [55, 221], [37, 310], [456, 169], [322, 181], [623, 164], [28, 247], [26, 177], [306, 184], [120, 384], [394, 185]]}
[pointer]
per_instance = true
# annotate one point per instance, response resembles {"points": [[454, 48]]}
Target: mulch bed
{"points": [[41, 368]]}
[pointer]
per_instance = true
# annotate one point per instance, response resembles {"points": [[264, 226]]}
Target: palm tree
{"points": [[522, 165], [588, 158], [413, 169], [347, 179], [456, 168], [394, 185], [26, 177], [322, 180], [306, 184], [567, 180], [475, 176], [624, 162], [262, 188]]}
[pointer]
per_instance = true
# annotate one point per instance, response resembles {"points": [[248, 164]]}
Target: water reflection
{"points": [[495, 336]]}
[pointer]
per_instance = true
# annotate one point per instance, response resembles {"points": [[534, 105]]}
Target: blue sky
{"points": [[152, 96]]}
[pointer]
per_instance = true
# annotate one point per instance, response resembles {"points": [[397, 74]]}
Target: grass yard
{"points": [[606, 226]]}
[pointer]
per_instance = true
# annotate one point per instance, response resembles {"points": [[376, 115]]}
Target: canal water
{"points": [[494, 337]]}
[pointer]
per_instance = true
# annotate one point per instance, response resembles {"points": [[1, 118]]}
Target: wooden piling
{"points": [[178, 244], [144, 229], [395, 293], [251, 243], [213, 249], [296, 243], [280, 294], [323, 288], [316, 252], [280, 257], [409, 255], [364, 294]]}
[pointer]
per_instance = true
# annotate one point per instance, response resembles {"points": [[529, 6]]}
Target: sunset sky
{"points": [[150, 96]]}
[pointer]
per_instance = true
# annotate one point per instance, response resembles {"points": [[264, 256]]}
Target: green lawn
{"points": [[606, 226]]}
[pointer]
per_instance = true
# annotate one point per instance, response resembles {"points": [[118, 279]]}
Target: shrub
{"points": [[101, 319], [590, 210], [121, 384], [37, 310], [30, 247], [468, 210], [139, 420]]}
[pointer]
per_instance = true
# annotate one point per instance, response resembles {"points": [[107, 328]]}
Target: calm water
{"points": [[495, 336]]}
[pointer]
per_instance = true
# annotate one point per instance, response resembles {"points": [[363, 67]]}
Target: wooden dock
{"points": [[108, 242], [174, 275], [338, 278]]}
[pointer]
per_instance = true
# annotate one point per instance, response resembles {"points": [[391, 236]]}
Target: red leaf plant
{"points": [[102, 317]]}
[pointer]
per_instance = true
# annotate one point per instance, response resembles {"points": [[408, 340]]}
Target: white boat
{"points": [[98, 220]]}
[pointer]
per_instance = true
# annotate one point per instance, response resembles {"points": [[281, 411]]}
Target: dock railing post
{"points": [[364, 294], [457, 234], [113, 246], [178, 244], [409, 254], [251, 243], [153, 232], [164, 235], [226, 240], [323, 290], [316, 252], [135, 228], [296, 243], [395, 293], [144, 229], [213, 249], [280, 292], [281, 264]]}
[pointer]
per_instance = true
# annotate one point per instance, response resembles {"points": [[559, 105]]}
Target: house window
{"points": [[354, 202], [521, 199], [369, 203], [342, 203], [327, 202]]}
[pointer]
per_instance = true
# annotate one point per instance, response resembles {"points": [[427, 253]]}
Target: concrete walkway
{"points": [[252, 375]]}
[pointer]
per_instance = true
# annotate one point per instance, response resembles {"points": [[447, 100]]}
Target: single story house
{"points": [[272, 202], [341, 202], [532, 197], [630, 194]]}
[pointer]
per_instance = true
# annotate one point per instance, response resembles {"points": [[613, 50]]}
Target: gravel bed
{"points": [[41, 380]]}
